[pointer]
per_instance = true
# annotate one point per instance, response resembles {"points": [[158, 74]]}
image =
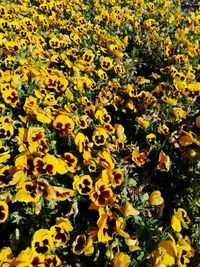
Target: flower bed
{"points": [[99, 133]]}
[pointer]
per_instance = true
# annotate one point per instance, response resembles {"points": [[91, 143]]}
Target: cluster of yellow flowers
{"points": [[70, 71]]}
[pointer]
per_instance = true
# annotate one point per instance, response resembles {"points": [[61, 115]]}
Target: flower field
{"points": [[99, 133]]}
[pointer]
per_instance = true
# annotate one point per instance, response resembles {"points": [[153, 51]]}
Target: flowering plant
{"points": [[99, 133]]}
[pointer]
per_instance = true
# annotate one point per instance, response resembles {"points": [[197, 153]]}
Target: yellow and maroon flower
{"points": [[100, 136], [63, 124], [83, 184], [106, 63], [6, 128], [101, 194], [163, 129], [88, 56], [103, 116], [42, 241], [60, 231], [71, 162], [109, 225], [52, 261], [82, 142], [46, 165], [3, 211], [105, 160], [28, 257], [11, 97], [62, 193], [28, 192], [44, 188], [115, 177], [151, 139], [82, 244]]}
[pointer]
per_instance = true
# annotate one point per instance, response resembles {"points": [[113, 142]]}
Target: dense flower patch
{"points": [[99, 133]]}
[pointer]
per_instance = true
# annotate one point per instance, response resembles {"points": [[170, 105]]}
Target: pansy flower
{"points": [[82, 122], [151, 139], [71, 161], [103, 116], [115, 176], [4, 152], [106, 63], [10, 175], [88, 56], [44, 188], [13, 46], [46, 165], [52, 261], [42, 241], [28, 257], [6, 256], [156, 199], [63, 124], [82, 142], [100, 136], [180, 220], [184, 251], [62, 193], [165, 254], [28, 192], [83, 184], [163, 129], [60, 232], [105, 160], [164, 162], [102, 74], [179, 113], [139, 157], [6, 128], [4, 211], [101, 194], [121, 259], [11, 97], [83, 245], [107, 226]]}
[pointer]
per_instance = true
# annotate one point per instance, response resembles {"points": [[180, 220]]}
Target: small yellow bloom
{"points": [[179, 113], [133, 244], [163, 129], [121, 260], [180, 219], [142, 122], [156, 199], [106, 63]]}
